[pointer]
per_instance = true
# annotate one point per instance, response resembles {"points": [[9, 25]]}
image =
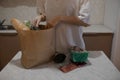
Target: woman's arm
{"points": [[67, 19]]}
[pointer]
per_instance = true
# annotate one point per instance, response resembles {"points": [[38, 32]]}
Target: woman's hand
{"points": [[38, 19]]}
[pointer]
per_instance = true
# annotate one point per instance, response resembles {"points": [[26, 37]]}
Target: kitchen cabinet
{"points": [[99, 41], [98, 37], [9, 46]]}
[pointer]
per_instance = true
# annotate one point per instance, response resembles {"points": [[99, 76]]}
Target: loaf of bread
{"points": [[18, 25]]}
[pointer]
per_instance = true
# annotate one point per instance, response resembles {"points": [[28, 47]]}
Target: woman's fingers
{"points": [[38, 19]]}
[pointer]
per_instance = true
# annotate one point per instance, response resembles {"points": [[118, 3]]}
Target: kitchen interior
{"points": [[102, 35]]}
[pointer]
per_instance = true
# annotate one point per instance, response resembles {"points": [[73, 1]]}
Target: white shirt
{"points": [[66, 35]]}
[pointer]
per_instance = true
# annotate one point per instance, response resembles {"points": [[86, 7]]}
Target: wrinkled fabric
{"points": [[66, 35]]}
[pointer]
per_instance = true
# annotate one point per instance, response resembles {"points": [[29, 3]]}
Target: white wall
{"points": [[111, 13], [21, 12], [97, 12], [116, 46], [21, 9], [112, 20], [116, 52]]}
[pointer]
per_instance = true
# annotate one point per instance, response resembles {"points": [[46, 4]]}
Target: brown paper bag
{"points": [[37, 46]]}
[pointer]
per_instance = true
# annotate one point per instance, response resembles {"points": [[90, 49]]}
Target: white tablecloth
{"points": [[101, 68]]}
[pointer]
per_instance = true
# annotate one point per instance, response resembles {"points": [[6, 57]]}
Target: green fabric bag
{"points": [[79, 56]]}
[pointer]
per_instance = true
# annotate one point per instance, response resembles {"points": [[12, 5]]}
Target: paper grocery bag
{"points": [[37, 46]]}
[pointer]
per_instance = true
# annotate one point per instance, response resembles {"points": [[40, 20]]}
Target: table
{"points": [[101, 68]]}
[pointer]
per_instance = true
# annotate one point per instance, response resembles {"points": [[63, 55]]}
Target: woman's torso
{"points": [[66, 35], [61, 7]]}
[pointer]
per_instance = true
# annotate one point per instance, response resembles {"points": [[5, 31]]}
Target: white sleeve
{"points": [[84, 11], [40, 6]]}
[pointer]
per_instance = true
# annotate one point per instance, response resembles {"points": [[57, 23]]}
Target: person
{"points": [[67, 17]]}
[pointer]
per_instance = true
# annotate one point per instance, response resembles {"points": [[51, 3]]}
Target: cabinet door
{"points": [[9, 46], [99, 42]]}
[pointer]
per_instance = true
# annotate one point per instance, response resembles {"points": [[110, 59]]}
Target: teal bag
{"points": [[79, 56]]}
